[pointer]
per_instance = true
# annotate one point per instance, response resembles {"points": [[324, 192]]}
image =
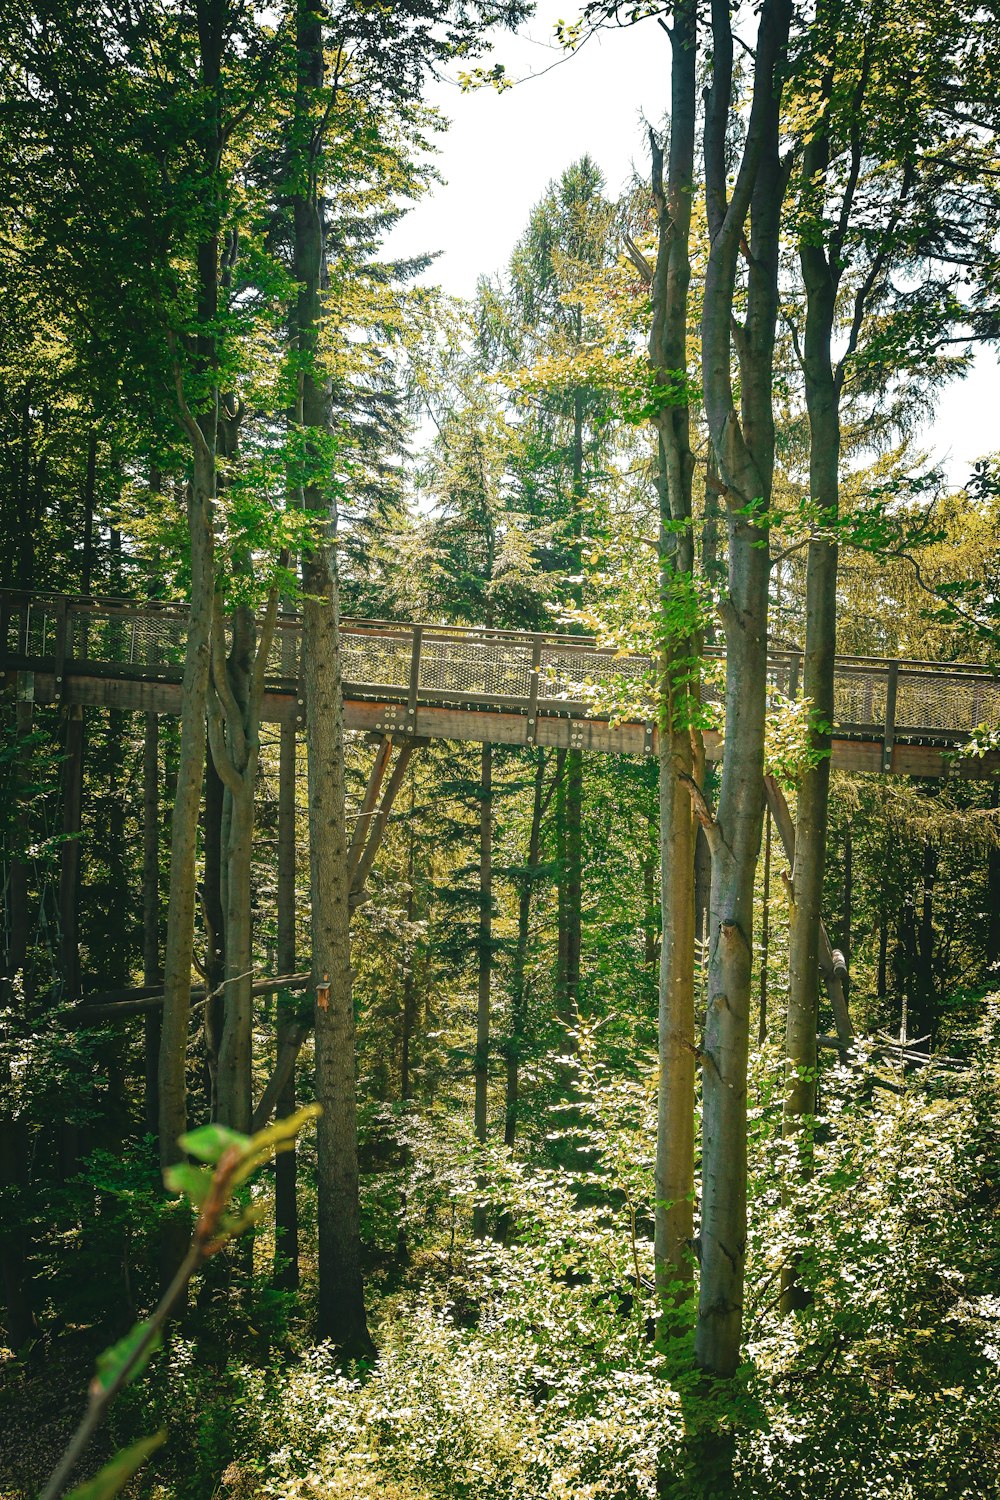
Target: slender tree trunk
{"points": [[151, 972], [818, 668], [744, 450], [518, 1017], [765, 934], [668, 348], [202, 432], [481, 1107], [234, 723], [409, 1003], [926, 1019], [184, 823], [286, 1217], [847, 936], [993, 902], [882, 976], [214, 921], [15, 1279], [573, 876], [69, 854], [17, 891], [341, 1293]]}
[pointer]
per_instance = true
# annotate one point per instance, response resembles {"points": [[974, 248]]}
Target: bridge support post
{"points": [[891, 690]]}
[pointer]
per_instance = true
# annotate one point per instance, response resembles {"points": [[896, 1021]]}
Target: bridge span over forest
{"points": [[406, 680]]}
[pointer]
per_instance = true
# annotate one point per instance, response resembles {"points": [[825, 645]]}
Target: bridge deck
{"points": [[906, 717]]}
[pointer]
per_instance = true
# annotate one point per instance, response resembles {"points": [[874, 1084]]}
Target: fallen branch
{"points": [[118, 1004]]}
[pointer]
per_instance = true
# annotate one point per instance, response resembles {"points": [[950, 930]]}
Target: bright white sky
{"points": [[502, 150]]}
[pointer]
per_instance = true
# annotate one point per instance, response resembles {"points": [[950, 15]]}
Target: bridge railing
{"points": [[541, 673]]}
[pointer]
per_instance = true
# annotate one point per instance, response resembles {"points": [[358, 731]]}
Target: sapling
{"points": [[230, 1159]]}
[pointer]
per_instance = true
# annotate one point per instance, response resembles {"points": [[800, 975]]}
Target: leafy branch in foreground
{"points": [[230, 1159]]}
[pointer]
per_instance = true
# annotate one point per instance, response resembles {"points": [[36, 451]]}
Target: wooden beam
{"points": [[375, 778], [481, 725], [361, 868]]}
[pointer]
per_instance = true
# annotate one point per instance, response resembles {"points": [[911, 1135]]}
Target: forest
{"points": [[500, 796]]}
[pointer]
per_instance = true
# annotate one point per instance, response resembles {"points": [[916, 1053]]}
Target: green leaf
{"points": [[113, 1360], [115, 1475], [210, 1141], [182, 1177]]}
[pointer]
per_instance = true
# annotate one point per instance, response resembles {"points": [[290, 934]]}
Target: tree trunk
{"points": [[151, 973], [214, 921], [525, 893], [234, 722], [818, 668], [184, 823], [668, 349], [341, 1294], [286, 1217], [202, 432], [744, 450], [765, 934], [992, 903], [69, 855], [481, 1107]]}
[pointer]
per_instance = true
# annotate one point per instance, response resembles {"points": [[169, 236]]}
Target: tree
{"points": [[743, 443]]}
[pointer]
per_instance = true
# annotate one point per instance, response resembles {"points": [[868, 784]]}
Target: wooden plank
{"points": [[504, 728]]}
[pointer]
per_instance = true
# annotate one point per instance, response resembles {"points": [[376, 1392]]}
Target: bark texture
{"points": [[678, 737], [482, 1074], [744, 450], [341, 1315]]}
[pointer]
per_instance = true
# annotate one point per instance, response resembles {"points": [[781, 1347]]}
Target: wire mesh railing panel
{"points": [[860, 697], [41, 632], [475, 668], [283, 659], [574, 675], [935, 703], [481, 668], [370, 662]]}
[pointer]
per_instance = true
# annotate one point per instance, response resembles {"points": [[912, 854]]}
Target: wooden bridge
{"points": [[507, 687]]}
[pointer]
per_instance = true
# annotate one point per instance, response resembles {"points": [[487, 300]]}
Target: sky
{"points": [[502, 151]]}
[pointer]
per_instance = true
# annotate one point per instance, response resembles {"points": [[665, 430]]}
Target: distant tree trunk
{"points": [[17, 889], [744, 449], [650, 911], [485, 963], [847, 936], [765, 933], [409, 1004], [235, 702], [286, 1218], [882, 976], [151, 972], [15, 1280], [69, 854], [925, 1020], [341, 1293], [570, 869], [184, 823], [214, 922], [668, 349], [993, 902], [518, 972], [573, 875]]}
